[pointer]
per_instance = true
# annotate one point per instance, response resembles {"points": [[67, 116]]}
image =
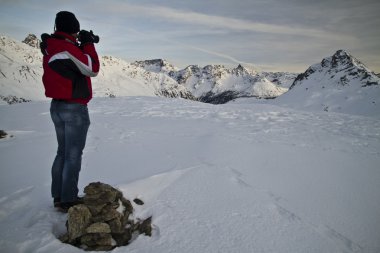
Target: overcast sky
{"points": [[271, 35]]}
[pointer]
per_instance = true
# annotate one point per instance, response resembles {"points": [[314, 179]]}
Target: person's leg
{"points": [[77, 123], [56, 171]]}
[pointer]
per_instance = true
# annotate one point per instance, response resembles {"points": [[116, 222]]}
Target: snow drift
{"points": [[227, 178]]}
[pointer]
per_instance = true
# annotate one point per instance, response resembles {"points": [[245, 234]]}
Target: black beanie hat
{"points": [[66, 22]]}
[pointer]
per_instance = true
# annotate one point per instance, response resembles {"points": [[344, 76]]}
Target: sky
{"points": [[269, 35]]}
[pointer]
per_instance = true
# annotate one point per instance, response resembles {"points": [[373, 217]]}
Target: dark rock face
{"points": [[220, 98], [13, 99], [3, 134], [103, 222], [32, 41]]}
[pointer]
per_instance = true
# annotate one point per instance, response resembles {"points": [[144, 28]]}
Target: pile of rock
{"points": [[3, 134], [103, 221]]}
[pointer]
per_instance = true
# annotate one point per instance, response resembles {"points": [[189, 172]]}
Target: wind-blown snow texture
{"points": [[226, 178]]}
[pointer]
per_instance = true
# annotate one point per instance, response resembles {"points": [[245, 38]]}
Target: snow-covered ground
{"points": [[239, 177]]}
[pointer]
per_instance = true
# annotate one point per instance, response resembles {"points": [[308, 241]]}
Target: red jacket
{"points": [[68, 68]]}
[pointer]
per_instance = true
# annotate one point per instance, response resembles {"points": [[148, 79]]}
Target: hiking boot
{"points": [[57, 202], [65, 206]]}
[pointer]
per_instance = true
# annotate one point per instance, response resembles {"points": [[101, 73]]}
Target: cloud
{"points": [[218, 54], [200, 19], [191, 47], [288, 33]]}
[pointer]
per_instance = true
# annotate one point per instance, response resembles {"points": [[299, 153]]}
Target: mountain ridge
{"points": [[157, 77], [339, 83]]}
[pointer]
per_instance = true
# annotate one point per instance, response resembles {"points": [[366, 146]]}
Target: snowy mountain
{"points": [[282, 79], [119, 78], [21, 74], [218, 84], [20, 71], [339, 83], [155, 65]]}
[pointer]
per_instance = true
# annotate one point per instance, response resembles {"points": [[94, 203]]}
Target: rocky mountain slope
{"points": [[283, 79], [119, 78], [218, 84], [21, 72], [339, 83]]}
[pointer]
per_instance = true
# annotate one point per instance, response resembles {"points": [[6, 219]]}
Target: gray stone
{"points": [[3, 134], [79, 218], [102, 198], [145, 227], [103, 191], [116, 226], [128, 210], [138, 201], [107, 214], [64, 238], [127, 205], [95, 209], [98, 227], [99, 239], [122, 239]]}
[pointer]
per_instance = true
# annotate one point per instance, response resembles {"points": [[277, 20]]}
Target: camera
{"points": [[88, 37]]}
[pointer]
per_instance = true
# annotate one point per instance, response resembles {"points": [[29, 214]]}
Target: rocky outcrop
{"points": [[13, 99], [103, 222], [155, 65], [3, 134], [220, 98], [282, 79], [32, 41]]}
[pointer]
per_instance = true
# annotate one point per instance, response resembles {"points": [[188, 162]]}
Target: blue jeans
{"points": [[71, 123]]}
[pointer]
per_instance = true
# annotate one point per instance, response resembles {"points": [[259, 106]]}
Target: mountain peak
{"points": [[155, 65], [339, 83], [339, 68], [342, 57], [240, 70], [32, 41], [342, 52]]}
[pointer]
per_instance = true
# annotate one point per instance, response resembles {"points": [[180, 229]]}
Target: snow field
{"points": [[239, 177]]}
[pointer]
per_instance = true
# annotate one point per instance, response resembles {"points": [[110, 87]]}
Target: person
{"points": [[69, 60]]}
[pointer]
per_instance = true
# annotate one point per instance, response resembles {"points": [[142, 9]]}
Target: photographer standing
{"points": [[68, 66]]}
